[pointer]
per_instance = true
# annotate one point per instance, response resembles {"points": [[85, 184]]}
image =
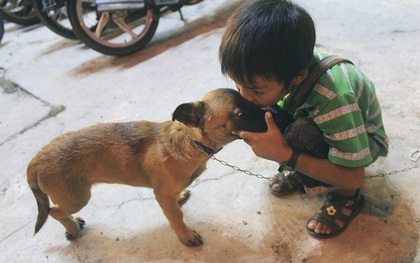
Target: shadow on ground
{"points": [[384, 231]]}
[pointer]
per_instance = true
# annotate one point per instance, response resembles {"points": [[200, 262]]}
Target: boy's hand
{"points": [[269, 145]]}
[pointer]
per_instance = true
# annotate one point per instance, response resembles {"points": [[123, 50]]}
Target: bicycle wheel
{"points": [[53, 14], [19, 12], [115, 32], [1, 28]]}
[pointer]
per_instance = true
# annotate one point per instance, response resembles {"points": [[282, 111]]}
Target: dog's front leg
{"points": [[168, 201]]}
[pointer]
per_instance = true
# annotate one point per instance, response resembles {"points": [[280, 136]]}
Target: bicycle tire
{"points": [[1, 27], [20, 12], [51, 19], [103, 37]]}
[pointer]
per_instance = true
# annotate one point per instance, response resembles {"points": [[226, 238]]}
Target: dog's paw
{"points": [[76, 231], [183, 197], [81, 222], [192, 239], [70, 237]]}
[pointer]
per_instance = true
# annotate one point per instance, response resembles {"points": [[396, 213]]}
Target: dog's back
{"points": [[73, 154]]}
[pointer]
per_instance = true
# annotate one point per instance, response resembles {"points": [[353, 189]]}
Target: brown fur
{"points": [[161, 156]]}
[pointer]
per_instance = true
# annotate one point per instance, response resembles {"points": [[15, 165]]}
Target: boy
{"points": [[267, 50]]}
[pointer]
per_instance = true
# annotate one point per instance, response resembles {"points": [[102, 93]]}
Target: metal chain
{"points": [[239, 169], [404, 170], [268, 178]]}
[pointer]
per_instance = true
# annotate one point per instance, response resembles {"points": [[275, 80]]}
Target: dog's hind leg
{"points": [[68, 203], [73, 225]]}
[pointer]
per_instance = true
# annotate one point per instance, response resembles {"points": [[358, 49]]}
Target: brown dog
{"points": [[164, 156]]}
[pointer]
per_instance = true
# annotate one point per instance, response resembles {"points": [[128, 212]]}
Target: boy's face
{"points": [[264, 92]]}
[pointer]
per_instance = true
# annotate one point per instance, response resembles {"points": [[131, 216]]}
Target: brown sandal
{"points": [[288, 182], [337, 213]]}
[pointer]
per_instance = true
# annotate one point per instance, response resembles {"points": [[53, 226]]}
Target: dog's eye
{"points": [[238, 113]]}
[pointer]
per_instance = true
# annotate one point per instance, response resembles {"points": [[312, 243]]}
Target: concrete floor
{"points": [[239, 220]]}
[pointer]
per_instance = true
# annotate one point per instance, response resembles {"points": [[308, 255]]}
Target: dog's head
{"points": [[220, 112]]}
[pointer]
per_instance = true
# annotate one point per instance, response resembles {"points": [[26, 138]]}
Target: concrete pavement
{"points": [[53, 85]]}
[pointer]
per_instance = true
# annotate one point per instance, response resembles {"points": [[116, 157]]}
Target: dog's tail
{"points": [[41, 199]]}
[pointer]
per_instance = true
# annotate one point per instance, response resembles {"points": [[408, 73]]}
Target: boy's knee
{"points": [[305, 136]]}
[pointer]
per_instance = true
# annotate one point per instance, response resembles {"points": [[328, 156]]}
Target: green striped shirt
{"points": [[344, 105]]}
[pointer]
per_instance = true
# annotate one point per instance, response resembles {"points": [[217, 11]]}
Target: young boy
{"points": [[267, 50]]}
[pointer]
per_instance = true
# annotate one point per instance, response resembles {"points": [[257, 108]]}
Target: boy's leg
{"points": [[305, 136], [341, 206]]}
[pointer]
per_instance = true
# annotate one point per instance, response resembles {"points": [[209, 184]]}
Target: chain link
{"points": [[404, 170], [239, 169]]}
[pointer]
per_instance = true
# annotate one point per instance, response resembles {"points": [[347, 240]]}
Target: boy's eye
{"points": [[257, 92]]}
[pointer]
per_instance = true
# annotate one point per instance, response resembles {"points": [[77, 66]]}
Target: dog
{"points": [[165, 156]]}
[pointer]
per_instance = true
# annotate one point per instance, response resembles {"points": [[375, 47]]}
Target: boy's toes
{"points": [[326, 230], [273, 181], [318, 227], [312, 225], [275, 187]]}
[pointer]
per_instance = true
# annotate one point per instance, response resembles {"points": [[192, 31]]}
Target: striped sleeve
{"points": [[344, 130], [344, 105]]}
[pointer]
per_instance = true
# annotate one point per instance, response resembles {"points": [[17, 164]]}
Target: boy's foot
{"points": [[285, 183], [335, 215]]}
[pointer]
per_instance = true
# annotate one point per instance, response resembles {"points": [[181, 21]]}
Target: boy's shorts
{"points": [[305, 136]]}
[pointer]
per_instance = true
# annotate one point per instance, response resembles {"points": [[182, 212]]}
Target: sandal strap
{"points": [[326, 220], [289, 180], [331, 212]]}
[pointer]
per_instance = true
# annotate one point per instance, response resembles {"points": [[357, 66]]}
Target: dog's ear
{"points": [[190, 113]]}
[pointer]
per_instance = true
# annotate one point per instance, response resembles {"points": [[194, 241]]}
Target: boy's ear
{"points": [[190, 113], [300, 77]]}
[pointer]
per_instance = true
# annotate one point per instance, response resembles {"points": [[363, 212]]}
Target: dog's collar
{"points": [[202, 148]]}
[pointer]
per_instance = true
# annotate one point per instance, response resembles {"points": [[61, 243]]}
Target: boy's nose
{"points": [[247, 95]]}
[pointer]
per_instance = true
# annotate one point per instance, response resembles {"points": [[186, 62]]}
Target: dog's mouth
{"points": [[255, 125], [236, 137]]}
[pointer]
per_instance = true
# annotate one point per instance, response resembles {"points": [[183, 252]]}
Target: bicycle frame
{"points": [[116, 5]]}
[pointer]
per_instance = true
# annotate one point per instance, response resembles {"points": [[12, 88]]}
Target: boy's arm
{"points": [[325, 171], [271, 145]]}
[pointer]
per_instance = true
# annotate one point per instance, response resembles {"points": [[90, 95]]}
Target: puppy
{"points": [[165, 156]]}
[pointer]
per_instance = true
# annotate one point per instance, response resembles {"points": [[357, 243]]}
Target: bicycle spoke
{"points": [[101, 24], [121, 23], [56, 15]]}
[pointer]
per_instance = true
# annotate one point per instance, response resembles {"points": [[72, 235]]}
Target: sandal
{"points": [[288, 182], [337, 213]]}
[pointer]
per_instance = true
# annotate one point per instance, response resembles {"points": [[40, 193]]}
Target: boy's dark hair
{"points": [[268, 38]]}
